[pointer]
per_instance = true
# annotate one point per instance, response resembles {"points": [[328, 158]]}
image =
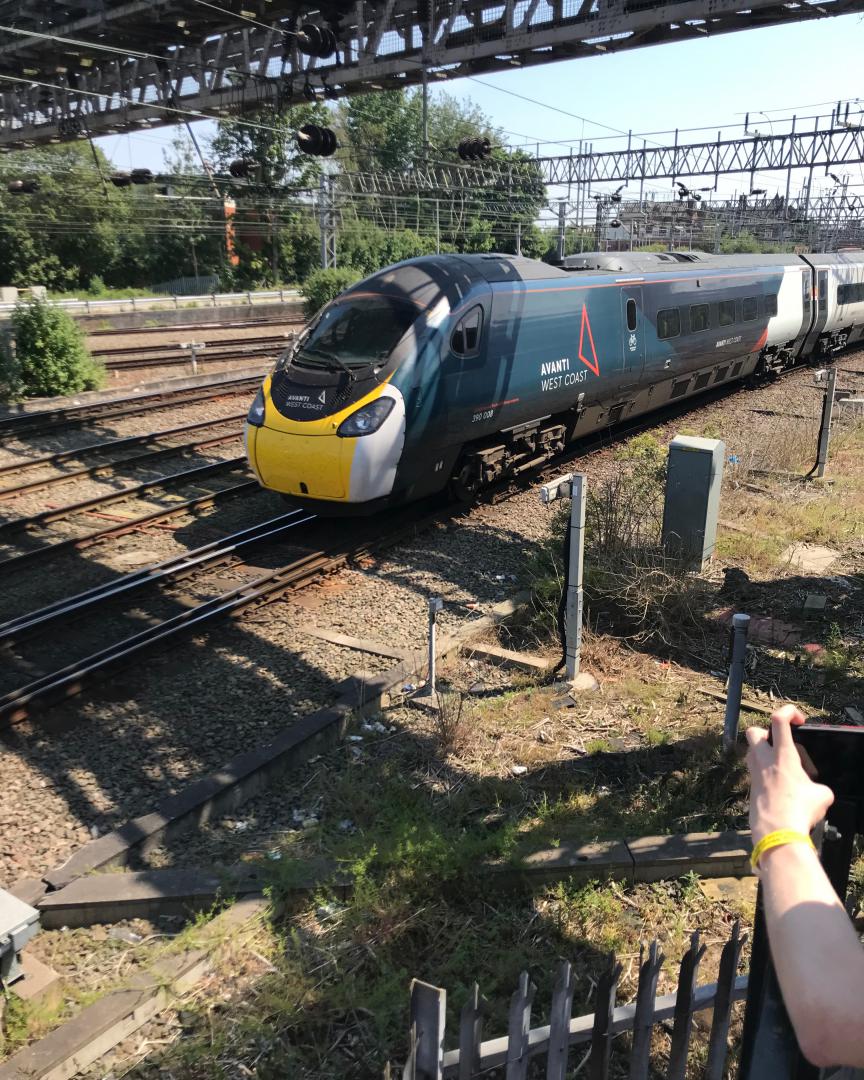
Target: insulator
{"points": [[615, 197], [309, 92], [315, 40], [241, 167], [330, 92], [22, 187], [474, 149], [120, 179], [317, 141], [141, 176]]}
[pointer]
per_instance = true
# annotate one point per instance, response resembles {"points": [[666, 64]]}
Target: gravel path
{"points": [[156, 727]]}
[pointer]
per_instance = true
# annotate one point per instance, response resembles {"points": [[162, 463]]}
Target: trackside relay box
{"points": [[18, 923], [694, 477]]}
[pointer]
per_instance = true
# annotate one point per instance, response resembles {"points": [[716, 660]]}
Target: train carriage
{"points": [[460, 369]]}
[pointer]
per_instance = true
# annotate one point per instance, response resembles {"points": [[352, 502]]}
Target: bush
{"points": [[322, 286], [49, 357]]}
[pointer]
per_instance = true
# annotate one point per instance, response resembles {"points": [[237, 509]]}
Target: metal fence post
{"points": [[825, 426], [740, 625]]}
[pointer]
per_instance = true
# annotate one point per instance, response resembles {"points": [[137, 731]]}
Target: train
{"points": [[454, 371]]}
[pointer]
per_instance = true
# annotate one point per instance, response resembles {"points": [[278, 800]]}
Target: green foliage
{"points": [[323, 286], [50, 356]]}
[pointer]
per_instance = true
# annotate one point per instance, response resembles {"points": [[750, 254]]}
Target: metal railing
{"points": [[145, 303]]}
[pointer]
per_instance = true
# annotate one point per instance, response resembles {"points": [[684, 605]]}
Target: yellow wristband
{"points": [[776, 839]]}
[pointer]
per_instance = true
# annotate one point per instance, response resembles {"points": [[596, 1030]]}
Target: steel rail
{"points": [[115, 444], [72, 678], [52, 419], [174, 328], [136, 352], [175, 568], [111, 468], [209, 357], [51, 550], [47, 516]]}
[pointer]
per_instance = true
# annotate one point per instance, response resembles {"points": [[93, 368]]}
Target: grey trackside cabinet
{"points": [[18, 923], [692, 504]]}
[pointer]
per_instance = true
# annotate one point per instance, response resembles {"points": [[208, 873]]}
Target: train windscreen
{"points": [[360, 332]]}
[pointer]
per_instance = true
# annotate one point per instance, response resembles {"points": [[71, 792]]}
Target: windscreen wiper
{"points": [[332, 357]]}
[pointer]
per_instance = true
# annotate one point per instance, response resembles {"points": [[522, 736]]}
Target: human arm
{"points": [[815, 949]]}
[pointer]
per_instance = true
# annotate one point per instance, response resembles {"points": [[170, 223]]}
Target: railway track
{"points": [[83, 508], [263, 348], [122, 465], [110, 446], [34, 423], [195, 612], [184, 327]]}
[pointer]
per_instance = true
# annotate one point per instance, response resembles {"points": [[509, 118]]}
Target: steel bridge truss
{"points": [[61, 78]]}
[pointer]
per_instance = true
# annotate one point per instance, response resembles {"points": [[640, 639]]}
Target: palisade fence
{"points": [[555, 1043]]}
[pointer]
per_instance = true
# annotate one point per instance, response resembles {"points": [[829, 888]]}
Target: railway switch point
{"points": [[18, 923]]}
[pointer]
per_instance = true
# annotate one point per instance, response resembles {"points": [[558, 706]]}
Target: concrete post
{"points": [[574, 487], [825, 427], [740, 625], [575, 574]]}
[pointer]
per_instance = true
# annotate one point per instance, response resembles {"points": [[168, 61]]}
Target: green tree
{"points": [[49, 355]]}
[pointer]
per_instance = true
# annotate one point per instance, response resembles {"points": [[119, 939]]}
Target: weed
{"points": [[451, 720]]}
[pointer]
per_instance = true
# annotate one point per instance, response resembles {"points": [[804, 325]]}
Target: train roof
{"points": [[617, 262], [430, 278]]}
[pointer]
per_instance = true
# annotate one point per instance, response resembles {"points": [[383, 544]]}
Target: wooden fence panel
{"points": [[683, 1023], [471, 1034], [643, 1020], [428, 1060], [726, 978], [428, 1013], [601, 1036], [559, 1023], [519, 1027]]}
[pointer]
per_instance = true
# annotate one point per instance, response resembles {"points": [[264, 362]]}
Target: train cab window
{"points": [[726, 312], [750, 308], [631, 315], [668, 323], [771, 304], [466, 337], [700, 318]]}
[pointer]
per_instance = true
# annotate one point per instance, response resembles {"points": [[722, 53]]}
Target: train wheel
{"points": [[465, 483]]}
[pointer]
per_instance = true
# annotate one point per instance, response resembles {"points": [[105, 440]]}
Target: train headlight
{"points": [[256, 410], [367, 419]]}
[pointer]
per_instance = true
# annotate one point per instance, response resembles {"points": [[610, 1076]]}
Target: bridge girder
{"points": [[179, 58]]}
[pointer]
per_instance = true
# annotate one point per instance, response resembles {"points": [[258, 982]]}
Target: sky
{"points": [[709, 83]]}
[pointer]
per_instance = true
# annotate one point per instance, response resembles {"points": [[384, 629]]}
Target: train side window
{"points": [[850, 294], [700, 318], [466, 337], [668, 323], [631, 315], [805, 286], [726, 312], [823, 288], [749, 308], [771, 304]]}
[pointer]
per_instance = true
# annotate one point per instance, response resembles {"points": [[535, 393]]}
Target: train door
{"points": [[632, 334], [819, 313]]}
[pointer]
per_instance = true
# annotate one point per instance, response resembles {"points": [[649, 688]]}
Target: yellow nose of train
{"points": [[307, 458]]}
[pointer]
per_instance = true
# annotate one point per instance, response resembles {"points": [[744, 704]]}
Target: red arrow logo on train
{"points": [[586, 325]]}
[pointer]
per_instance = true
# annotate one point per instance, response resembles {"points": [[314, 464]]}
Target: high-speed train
{"points": [[460, 369]]}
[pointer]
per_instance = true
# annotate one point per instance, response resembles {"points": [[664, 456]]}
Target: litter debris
{"points": [[355, 738], [345, 825], [327, 911], [239, 826], [409, 688], [123, 933], [519, 770], [310, 822], [94, 831], [274, 854], [375, 726]]}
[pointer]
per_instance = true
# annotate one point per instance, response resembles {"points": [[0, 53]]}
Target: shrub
{"points": [[322, 286], [49, 357]]}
